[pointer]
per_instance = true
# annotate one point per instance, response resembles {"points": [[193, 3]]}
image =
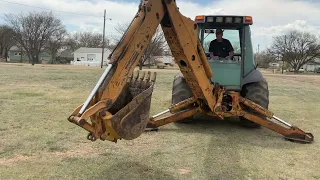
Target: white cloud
{"points": [[270, 17], [299, 25], [118, 11]]}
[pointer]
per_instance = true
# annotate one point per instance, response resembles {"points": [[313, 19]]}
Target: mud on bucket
{"points": [[131, 110]]}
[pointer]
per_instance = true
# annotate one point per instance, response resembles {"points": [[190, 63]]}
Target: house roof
{"points": [[14, 48], [65, 53], [91, 50]]}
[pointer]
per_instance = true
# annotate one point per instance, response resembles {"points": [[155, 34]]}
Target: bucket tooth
{"points": [[148, 76], [154, 77], [130, 78]]}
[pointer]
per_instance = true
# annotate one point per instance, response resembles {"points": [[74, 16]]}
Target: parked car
{"points": [[300, 70]]}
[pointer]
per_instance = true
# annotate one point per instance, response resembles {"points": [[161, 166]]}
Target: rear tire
{"points": [[181, 91], [257, 92]]}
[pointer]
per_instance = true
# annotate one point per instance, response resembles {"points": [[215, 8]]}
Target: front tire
{"points": [[257, 92]]}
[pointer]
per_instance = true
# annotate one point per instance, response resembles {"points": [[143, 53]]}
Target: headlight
{"points": [[219, 19]]}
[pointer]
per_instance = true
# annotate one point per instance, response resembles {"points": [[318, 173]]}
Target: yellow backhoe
{"points": [[118, 106]]}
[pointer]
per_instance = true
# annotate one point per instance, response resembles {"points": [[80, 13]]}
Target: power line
{"points": [[49, 9]]}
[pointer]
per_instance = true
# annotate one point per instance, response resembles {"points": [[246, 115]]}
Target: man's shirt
{"points": [[220, 49]]}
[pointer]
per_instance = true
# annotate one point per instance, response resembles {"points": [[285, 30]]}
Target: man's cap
{"points": [[219, 31]]}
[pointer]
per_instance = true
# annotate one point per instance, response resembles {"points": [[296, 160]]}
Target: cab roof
{"points": [[224, 19]]}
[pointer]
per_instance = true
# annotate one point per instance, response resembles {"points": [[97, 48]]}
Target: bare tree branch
{"points": [[6, 40], [264, 58], [55, 43], [154, 48], [34, 31], [296, 48], [87, 39]]}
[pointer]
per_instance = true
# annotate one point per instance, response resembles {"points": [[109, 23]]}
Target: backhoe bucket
{"points": [[131, 110]]}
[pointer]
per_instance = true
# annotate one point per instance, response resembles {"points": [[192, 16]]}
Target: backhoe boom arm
{"points": [[109, 96]]}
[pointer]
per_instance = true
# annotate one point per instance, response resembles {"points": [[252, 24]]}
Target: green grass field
{"points": [[37, 141]]}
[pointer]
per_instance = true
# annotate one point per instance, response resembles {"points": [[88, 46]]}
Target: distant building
{"points": [[65, 53], [17, 54], [166, 58], [64, 56], [311, 66], [274, 65], [90, 56]]}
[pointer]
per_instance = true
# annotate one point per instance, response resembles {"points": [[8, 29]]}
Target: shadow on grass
{"points": [[133, 170], [223, 159], [231, 128], [224, 156]]}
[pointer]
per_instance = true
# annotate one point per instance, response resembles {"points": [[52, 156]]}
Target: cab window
{"points": [[232, 35]]}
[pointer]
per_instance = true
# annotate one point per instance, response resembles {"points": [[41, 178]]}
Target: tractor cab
{"points": [[240, 70]]}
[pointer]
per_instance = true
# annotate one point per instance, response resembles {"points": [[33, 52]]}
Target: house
{"points": [[64, 56], [65, 53], [274, 65], [311, 66], [16, 55], [90, 56]]}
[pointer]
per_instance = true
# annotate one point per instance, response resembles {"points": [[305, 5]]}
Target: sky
{"points": [[270, 17]]}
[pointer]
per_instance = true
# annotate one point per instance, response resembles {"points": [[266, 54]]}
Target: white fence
{"points": [[87, 63]]}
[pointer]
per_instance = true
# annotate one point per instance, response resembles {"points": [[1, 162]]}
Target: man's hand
{"points": [[215, 57], [231, 53]]}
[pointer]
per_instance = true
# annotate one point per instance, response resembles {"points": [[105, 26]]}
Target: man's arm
{"points": [[211, 51], [211, 54]]}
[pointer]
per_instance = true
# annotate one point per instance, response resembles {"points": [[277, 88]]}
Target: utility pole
{"points": [[285, 50], [103, 39], [258, 48]]}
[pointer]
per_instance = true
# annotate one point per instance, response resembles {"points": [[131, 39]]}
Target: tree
{"points": [[6, 40], [86, 39], [34, 31], [296, 48], [264, 58], [154, 48], [56, 41]]}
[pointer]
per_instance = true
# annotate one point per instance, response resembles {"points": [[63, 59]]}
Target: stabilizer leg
{"points": [[167, 117], [267, 119], [176, 112]]}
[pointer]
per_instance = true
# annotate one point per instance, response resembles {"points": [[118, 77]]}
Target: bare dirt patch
{"points": [[11, 161], [84, 151]]}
